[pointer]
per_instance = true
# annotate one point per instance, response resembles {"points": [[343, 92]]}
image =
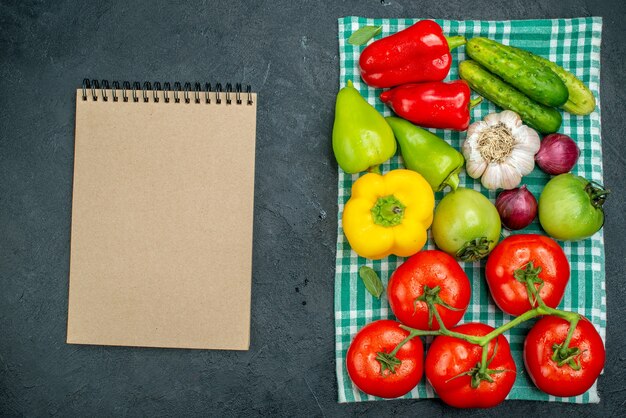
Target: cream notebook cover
{"points": [[161, 240]]}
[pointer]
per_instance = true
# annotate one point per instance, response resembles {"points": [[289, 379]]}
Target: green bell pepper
{"points": [[426, 153], [362, 139]]}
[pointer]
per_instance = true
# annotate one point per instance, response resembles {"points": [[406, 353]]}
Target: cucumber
{"points": [[581, 100], [535, 80], [542, 118]]}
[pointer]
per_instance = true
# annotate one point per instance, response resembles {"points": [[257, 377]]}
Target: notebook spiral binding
{"points": [[155, 91]]}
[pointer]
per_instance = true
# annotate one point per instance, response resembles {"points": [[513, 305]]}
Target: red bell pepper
{"points": [[433, 105], [418, 53]]}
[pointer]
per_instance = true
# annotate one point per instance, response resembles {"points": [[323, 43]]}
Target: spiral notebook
{"points": [[162, 209]]}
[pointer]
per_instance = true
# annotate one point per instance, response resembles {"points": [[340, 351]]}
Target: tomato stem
{"points": [[484, 340], [401, 343], [474, 250], [431, 298], [511, 324], [567, 315], [389, 361], [563, 354], [418, 332], [597, 193], [483, 360], [433, 308], [482, 371], [529, 275], [570, 332]]}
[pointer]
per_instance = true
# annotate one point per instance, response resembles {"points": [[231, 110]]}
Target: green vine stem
{"points": [[529, 276], [485, 355], [431, 298], [563, 354]]}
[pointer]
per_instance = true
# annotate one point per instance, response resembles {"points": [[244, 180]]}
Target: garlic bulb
{"points": [[500, 150]]}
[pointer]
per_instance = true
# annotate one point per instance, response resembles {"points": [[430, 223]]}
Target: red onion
{"points": [[558, 154], [517, 207]]}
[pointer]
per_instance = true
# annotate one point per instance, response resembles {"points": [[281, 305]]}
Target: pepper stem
{"points": [[388, 211], [455, 41], [452, 180], [374, 169], [475, 101]]}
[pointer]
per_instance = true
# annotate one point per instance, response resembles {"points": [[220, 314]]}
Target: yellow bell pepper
{"points": [[388, 214]]}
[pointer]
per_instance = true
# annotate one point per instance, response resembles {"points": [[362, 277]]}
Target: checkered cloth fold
{"points": [[573, 44]]}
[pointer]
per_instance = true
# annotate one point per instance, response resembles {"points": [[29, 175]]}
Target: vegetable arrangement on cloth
{"points": [[387, 216]]}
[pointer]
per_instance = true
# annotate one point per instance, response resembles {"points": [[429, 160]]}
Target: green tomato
{"points": [[570, 207], [466, 225]]}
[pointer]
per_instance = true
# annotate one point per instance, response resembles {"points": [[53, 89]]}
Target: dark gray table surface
{"points": [[288, 52]]}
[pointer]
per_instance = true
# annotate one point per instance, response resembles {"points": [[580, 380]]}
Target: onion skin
{"points": [[517, 208], [558, 154]]}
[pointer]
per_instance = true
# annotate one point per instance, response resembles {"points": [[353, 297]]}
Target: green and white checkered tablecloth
{"points": [[572, 43]]}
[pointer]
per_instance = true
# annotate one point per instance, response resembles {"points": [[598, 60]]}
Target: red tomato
{"points": [[365, 371], [434, 269], [564, 380], [515, 252], [448, 358]]}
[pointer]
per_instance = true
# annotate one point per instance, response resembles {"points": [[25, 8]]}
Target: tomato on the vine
{"points": [[526, 260], [453, 369], [374, 370], [429, 278], [558, 370]]}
